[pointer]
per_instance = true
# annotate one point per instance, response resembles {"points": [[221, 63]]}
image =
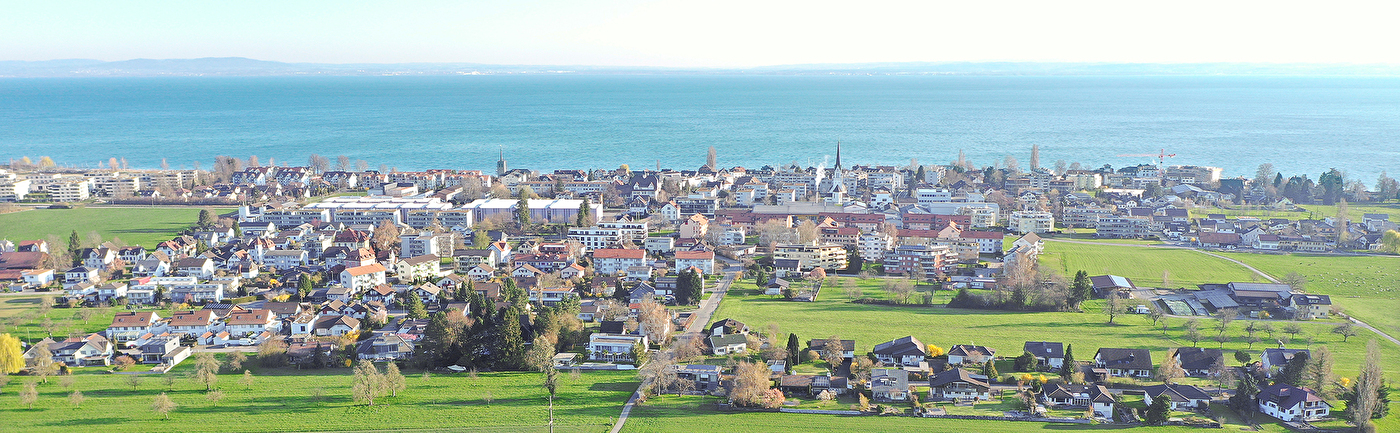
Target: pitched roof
{"points": [[727, 340], [956, 375], [250, 317], [366, 269], [192, 318], [1177, 392], [819, 344], [1199, 358], [901, 347], [1045, 349], [126, 319], [971, 350], [418, 260], [1125, 359], [1096, 393], [1287, 396], [695, 255]]}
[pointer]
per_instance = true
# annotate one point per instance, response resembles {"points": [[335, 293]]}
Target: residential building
{"points": [[1067, 396], [613, 347], [702, 260], [1031, 222], [958, 384], [970, 354], [1180, 397], [1050, 353], [611, 262], [361, 278], [1123, 362], [1290, 403], [809, 256], [1124, 227], [906, 351]]}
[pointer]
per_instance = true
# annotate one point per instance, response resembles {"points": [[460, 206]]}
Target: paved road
{"points": [[1251, 268], [693, 330]]}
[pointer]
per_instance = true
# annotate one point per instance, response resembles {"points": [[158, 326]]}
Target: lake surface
{"points": [[1299, 124]]}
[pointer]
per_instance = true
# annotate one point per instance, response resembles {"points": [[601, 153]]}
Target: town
{"points": [[881, 296]]}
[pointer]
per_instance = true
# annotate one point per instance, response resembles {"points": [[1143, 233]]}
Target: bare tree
{"points": [[163, 405]]}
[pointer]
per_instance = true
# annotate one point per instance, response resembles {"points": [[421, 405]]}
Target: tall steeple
{"points": [[501, 164], [838, 155]]}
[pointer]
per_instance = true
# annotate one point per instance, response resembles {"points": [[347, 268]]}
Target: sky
{"points": [[712, 33]]}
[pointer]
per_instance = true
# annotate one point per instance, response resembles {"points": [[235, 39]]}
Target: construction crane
{"points": [[1161, 155]]}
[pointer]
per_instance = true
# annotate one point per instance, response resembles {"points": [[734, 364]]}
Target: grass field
{"points": [[869, 325], [133, 225], [286, 400], [1144, 266], [700, 415], [1366, 287], [1311, 211], [19, 316]]}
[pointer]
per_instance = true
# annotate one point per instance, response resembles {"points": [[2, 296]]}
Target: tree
{"points": [[509, 347], [415, 307], [1242, 402], [793, 351], [711, 159], [28, 395], [206, 218], [655, 321], [1318, 374], [1292, 329], [1170, 369], [11, 355], [214, 396], [1080, 289], [1026, 362], [1390, 242], [1223, 317], [1242, 356], [1157, 411], [76, 398], [385, 236], [1295, 281], [522, 212], [247, 380], [206, 370], [1368, 388], [235, 361], [1111, 307], [1292, 372], [133, 380], [751, 385], [41, 362], [74, 244], [989, 369], [163, 405], [833, 352], [1068, 368], [585, 214], [1346, 330], [367, 383], [394, 380], [1194, 335]]}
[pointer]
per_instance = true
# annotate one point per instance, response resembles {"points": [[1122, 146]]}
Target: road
{"points": [[693, 330], [1251, 268]]}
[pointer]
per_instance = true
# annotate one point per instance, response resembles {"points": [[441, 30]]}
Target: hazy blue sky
{"points": [[717, 33]]}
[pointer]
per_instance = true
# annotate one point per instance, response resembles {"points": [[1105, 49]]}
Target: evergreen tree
{"points": [[1157, 411], [620, 292], [318, 359], [460, 293], [794, 349], [585, 214], [480, 239], [237, 229], [1025, 362], [510, 293], [1080, 290], [509, 351], [1069, 367], [989, 369], [304, 286], [415, 307], [74, 244], [206, 218], [1292, 372], [1243, 400], [522, 212]]}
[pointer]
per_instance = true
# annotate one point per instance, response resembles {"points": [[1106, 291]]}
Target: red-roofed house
{"points": [[702, 260], [361, 278]]}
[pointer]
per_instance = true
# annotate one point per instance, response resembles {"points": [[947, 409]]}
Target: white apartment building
{"points": [[1031, 222]]}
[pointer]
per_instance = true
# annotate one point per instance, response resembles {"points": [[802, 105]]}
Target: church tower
{"points": [[837, 192], [501, 164]]}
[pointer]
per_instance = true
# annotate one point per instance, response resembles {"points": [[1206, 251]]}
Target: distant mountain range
{"points": [[239, 66]]}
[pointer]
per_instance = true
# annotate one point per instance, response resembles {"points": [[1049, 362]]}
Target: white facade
{"points": [[1031, 222]]}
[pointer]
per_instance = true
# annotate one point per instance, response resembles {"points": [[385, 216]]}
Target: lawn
{"points": [[700, 415], [1006, 331], [1145, 266], [1312, 211], [133, 225], [19, 316], [319, 400], [1366, 287]]}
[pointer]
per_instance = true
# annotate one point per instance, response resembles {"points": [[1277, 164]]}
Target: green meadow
{"points": [[133, 225]]}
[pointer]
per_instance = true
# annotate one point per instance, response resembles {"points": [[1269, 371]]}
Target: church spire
{"points": [[501, 164], [838, 155]]}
